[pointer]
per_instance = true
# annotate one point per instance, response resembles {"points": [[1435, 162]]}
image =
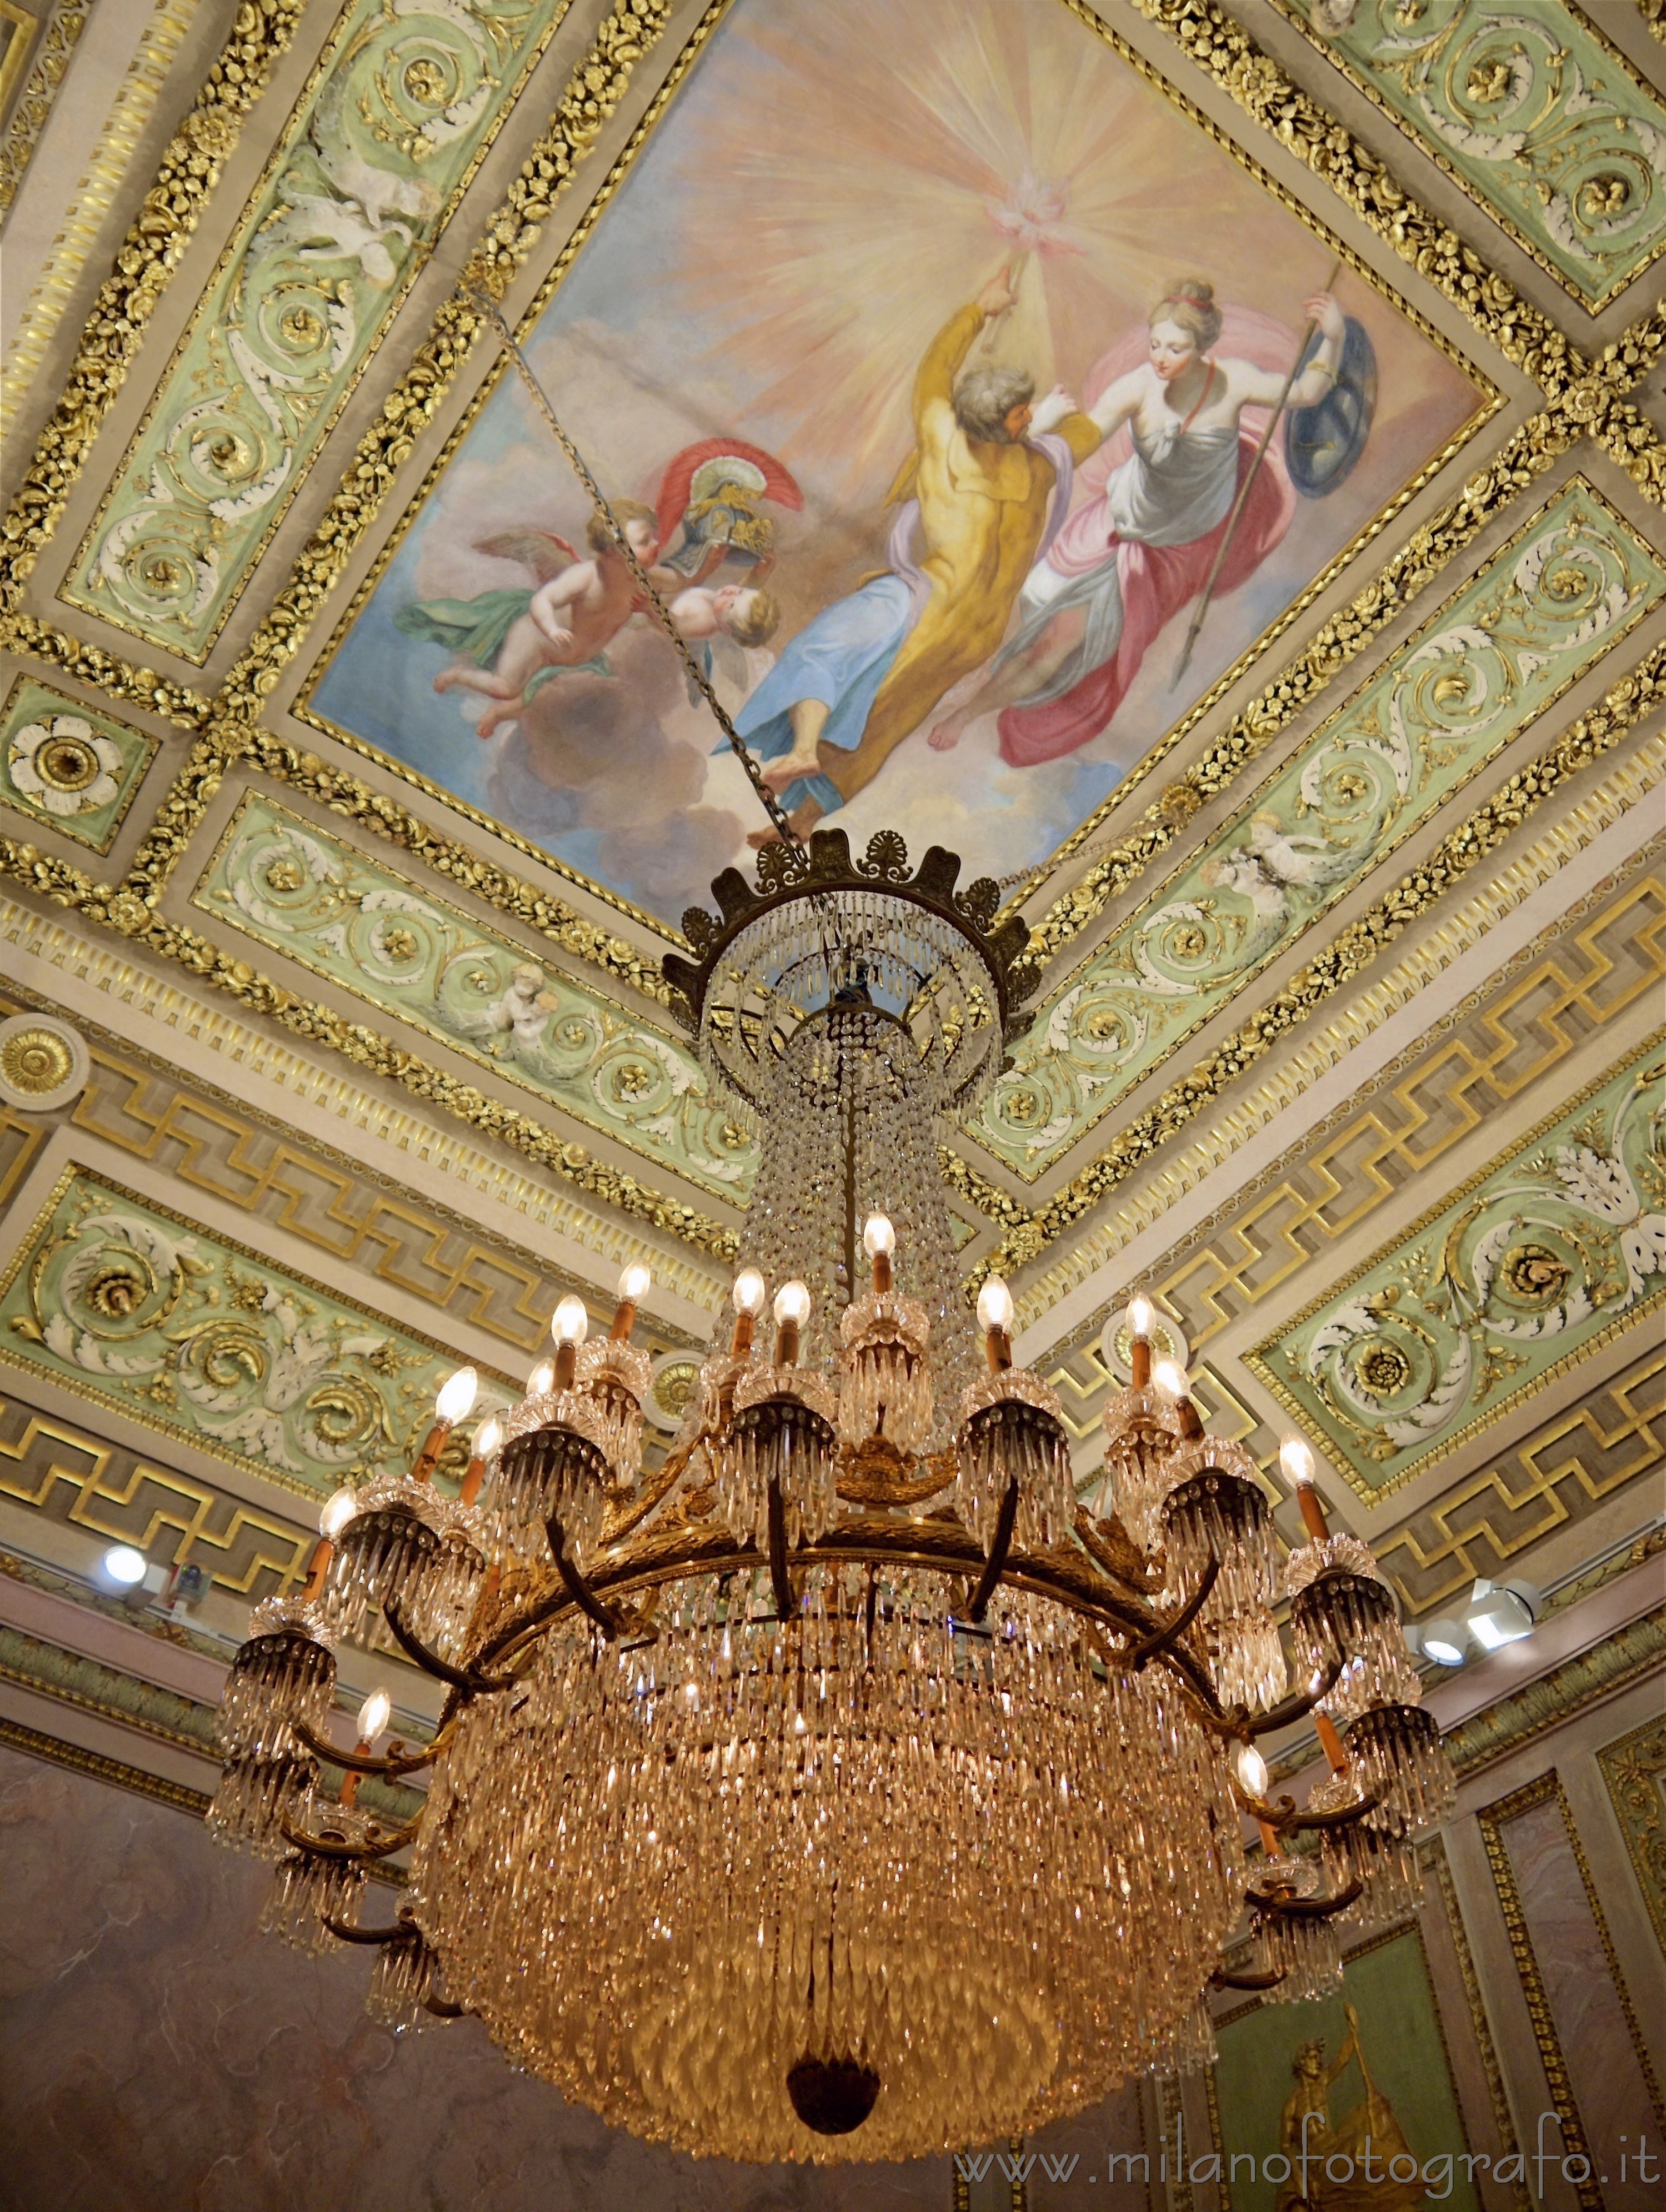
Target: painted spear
{"points": [[1245, 490]]}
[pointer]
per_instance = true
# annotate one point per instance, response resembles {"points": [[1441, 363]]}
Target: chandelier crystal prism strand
{"points": [[840, 1788]]}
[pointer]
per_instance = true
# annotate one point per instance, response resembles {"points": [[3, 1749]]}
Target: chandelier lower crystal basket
{"points": [[840, 1788]]}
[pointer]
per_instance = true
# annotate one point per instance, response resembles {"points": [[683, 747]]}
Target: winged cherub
{"points": [[509, 643]]}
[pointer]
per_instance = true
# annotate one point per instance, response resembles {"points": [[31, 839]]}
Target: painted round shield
{"points": [[1323, 442]]}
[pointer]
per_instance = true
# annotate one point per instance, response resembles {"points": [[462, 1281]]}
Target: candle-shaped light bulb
{"points": [[488, 1439], [541, 1381], [570, 1328], [374, 1716], [994, 1315], [1142, 1319], [633, 1288], [1172, 1379], [338, 1509], [792, 1310], [1296, 1459], [747, 1298], [1251, 1770], [571, 1320], [879, 1243], [456, 1398]]}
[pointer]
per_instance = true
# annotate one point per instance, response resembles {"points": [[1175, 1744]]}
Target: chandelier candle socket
{"points": [[1343, 1619], [487, 1438], [841, 1791]]}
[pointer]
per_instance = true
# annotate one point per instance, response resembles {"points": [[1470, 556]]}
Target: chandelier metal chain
{"points": [[488, 309]]}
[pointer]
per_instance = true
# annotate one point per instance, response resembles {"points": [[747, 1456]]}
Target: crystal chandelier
{"points": [[841, 1787]]}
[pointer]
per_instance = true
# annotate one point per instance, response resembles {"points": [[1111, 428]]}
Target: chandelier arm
{"points": [[345, 1933], [1296, 1708], [325, 1847], [355, 1762], [1278, 1814], [468, 1680], [1346, 1816], [1309, 1908], [781, 1579], [443, 2008], [1099, 1552], [951, 1551], [1170, 1634], [488, 308], [1001, 1545], [650, 1495], [1222, 1979], [605, 1617]]}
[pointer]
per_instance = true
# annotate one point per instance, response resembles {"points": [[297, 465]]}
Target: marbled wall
{"points": [[158, 2055]]}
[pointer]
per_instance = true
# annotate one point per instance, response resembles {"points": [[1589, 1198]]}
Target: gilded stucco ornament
{"points": [[1622, 706], [1565, 590], [1542, 120], [121, 1300], [157, 236], [1585, 397], [397, 116], [43, 1063], [1523, 1270]]}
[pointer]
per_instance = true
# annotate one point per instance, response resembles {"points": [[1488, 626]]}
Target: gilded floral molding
{"points": [[1519, 1274], [1547, 125], [627, 32], [1590, 967], [64, 24], [353, 800], [324, 1091], [1565, 590], [393, 124], [123, 1302], [1605, 803], [68, 766], [158, 236], [84, 209], [1596, 731], [301, 891], [1632, 1768]]}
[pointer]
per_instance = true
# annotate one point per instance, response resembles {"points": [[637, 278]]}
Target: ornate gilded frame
{"points": [[1585, 396]]}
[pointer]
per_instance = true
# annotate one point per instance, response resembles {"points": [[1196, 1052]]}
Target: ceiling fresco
{"points": [[841, 213], [349, 800]]}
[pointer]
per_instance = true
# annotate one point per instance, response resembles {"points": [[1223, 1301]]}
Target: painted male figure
{"points": [[987, 487]]}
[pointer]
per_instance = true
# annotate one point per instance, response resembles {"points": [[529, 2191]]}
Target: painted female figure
{"points": [[1126, 562]]}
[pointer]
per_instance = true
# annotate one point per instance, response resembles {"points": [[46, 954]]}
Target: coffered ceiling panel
{"points": [[349, 799]]}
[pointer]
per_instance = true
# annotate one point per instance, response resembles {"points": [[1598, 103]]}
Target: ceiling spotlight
{"points": [[1500, 1613], [123, 1566], [1446, 1642]]}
